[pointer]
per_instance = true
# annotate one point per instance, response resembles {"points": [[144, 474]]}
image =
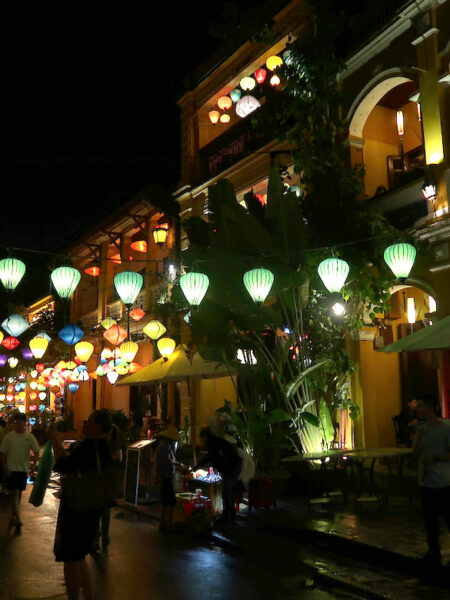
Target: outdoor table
{"points": [[356, 458]]}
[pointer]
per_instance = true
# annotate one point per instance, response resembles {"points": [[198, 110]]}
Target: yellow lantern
{"points": [[214, 116], [273, 62], [38, 346], [225, 118], [71, 365], [224, 102], [84, 350], [247, 84], [122, 369], [1, 336], [154, 329], [160, 233], [108, 322], [166, 346], [129, 351]]}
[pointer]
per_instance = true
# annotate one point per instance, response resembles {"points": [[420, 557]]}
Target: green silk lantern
{"points": [[333, 272], [128, 285], [65, 280], [258, 283], [194, 286], [400, 259], [11, 272]]}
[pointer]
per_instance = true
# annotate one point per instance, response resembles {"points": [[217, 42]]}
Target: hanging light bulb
{"points": [[65, 280], [214, 116], [11, 272], [154, 329], [15, 325], [338, 308], [129, 351], [258, 283], [12, 361], [333, 272], [128, 285], [273, 62], [194, 286], [84, 350], [165, 346], [400, 259], [112, 377], [411, 310]]}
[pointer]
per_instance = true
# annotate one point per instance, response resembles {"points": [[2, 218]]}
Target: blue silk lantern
{"points": [[73, 387], [15, 325], [71, 334], [41, 407], [32, 421]]}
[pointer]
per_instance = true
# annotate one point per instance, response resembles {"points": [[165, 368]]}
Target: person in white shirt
{"points": [[432, 447], [15, 456]]}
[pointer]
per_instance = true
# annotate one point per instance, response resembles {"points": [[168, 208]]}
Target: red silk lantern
{"points": [[137, 313], [40, 367], [115, 335], [260, 76], [11, 343], [32, 407]]}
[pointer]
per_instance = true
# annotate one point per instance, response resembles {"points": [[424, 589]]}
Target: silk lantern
{"points": [[115, 335], [137, 314], [194, 286], [235, 95], [12, 362], [11, 343], [3, 359], [11, 272], [273, 62], [400, 259], [65, 280], [260, 76], [84, 350], [246, 106], [108, 322], [166, 346], [128, 285], [112, 377], [333, 272], [73, 387], [71, 334], [247, 84], [258, 283], [154, 329], [15, 325], [129, 351]]}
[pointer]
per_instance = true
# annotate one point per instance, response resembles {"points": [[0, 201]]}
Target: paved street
{"points": [[143, 564]]}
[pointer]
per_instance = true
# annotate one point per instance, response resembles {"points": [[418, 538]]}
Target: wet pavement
{"points": [[245, 560]]}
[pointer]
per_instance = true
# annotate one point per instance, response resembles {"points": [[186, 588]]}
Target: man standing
{"points": [[432, 447], [15, 455]]}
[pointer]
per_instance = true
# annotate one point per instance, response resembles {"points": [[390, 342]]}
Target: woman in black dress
{"points": [[76, 530]]}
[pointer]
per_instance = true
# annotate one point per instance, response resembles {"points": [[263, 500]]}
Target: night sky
{"points": [[89, 116]]}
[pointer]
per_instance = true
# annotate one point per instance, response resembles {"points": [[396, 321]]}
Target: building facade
{"points": [[396, 85]]}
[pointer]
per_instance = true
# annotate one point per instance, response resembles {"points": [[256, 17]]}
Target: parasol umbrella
{"points": [[435, 337]]}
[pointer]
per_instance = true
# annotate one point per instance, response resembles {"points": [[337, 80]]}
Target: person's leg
{"points": [[85, 580], [445, 505], [105, 520], [431, 516], [15, 506], [72, 579]]}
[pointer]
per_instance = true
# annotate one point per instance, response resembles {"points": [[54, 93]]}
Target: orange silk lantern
{"points": [[133, 367], [224, 102], [115, 335], [137, 313]]}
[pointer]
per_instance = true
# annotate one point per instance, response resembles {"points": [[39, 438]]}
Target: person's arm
{"points": [[35, 449], [52, 434], [5, 463]]}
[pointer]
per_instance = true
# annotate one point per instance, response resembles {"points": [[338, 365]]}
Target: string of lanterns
{"points": [[245, 105]]}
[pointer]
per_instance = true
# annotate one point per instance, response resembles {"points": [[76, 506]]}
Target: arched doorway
{"points": [[386, 134]]}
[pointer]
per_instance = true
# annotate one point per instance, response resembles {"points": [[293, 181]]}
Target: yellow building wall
{"points": [[380, 382], [212, 394]]}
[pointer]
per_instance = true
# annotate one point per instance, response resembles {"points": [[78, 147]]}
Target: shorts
{"points": [[167, 492], [17, 481]]}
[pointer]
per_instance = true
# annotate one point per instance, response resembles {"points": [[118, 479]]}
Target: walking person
{"points": [[432, 447], [165, 469], [76, 529], [15, 455], [223, 457]]}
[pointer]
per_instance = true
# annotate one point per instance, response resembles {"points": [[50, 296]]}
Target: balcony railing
{"points": [[231, 147]]}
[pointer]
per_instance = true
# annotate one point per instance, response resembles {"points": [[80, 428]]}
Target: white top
{"points": [[431, 441], [17, 448]]}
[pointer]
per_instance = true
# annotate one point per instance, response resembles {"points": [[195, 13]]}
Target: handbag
{"points": [[43, 476], [93, 490]]}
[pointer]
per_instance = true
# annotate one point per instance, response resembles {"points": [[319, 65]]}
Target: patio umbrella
{"points": [[435, 337], [177, 367]]}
